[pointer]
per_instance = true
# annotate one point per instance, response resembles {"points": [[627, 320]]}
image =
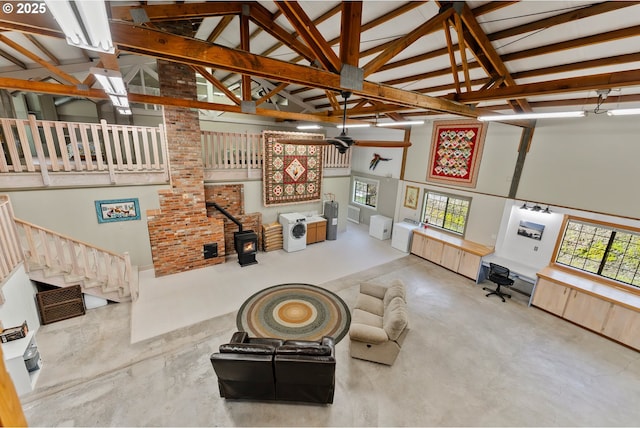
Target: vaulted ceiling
{"points": [[401, 60]]}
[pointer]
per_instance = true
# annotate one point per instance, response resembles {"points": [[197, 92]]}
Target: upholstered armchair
{"points": [[379, 323]]}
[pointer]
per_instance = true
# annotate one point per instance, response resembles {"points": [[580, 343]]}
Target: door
{"points": [[417, 244], [433, 250], [623, 325], [469, 265], [450, 257], [586, 310]]}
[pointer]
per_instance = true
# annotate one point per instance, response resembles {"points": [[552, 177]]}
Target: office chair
{"points": [[499, 275]]}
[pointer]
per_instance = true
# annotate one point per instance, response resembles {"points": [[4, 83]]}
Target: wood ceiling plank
{"points": [[310, 34], [178, 11], [350, 29], [215, 82], [402, 43], [52, 68]]}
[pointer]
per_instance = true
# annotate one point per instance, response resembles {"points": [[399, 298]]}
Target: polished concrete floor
{"points": [[468, 360]]}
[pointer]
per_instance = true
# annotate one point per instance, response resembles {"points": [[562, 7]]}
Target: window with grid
{"points": [[365, 192], [446, 211], [605, 251]]}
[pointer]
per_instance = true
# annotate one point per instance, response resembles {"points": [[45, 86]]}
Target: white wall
{"points": [[72, 212], [20, 305]]}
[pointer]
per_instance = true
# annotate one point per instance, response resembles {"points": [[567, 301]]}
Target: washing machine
{"points": [[294, 232]]}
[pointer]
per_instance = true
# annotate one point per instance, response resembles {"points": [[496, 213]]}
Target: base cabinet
{"points": [[454, 254], [587, 311], [550, 296], [316, 232], [623, 325]]}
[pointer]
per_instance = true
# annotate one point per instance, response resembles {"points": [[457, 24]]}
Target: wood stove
{"points": [[246, 244], [245, 241]]}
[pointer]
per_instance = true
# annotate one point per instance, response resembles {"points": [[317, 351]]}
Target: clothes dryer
{"points": [[294, 232]]}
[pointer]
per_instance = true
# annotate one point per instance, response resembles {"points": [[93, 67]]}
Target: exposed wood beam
{"points": [[350, 29], [463, 51], [171, 47], [244, 45], [402, 43], [52, 68], [271, 93], [573, 84], [333, 100], [215, 82], [12, 59], [267, 21], [178, 11], [310, 34], [42, 48], [452, 56], [222, 25]]}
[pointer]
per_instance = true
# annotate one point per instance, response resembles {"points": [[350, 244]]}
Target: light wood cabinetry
{"points": [[316, 231], [599, 307], [456, 254], [623, 325], [588, 311], [550, 296]]}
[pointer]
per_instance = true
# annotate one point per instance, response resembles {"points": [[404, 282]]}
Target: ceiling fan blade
{"points": [[384, 144]]}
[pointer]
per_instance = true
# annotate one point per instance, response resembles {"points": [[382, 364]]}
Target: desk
{"points": [[517, 270]]}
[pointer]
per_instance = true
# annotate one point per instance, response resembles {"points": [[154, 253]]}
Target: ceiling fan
{"points": [[342, 142]]}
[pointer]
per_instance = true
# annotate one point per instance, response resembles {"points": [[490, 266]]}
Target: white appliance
{"points": [[380, 227], [294, 231], [402, 234]]}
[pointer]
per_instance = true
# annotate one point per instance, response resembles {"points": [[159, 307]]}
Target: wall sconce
{"points": [[535, 208], [85, 23]]}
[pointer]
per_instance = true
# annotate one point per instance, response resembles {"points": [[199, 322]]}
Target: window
{"points": [[446, 211], [365, 192], [601, 250]]}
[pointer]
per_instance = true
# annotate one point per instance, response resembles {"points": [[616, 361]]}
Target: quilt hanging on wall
{"points": [[291, 173], [456, 150]]}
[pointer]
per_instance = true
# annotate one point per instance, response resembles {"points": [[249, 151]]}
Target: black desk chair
{"points": [[499, 275]]}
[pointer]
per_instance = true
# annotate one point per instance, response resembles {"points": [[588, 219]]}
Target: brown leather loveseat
{"points": [[276, 369]]}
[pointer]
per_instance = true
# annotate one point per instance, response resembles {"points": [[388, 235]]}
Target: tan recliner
{"points": [[379, 323]]}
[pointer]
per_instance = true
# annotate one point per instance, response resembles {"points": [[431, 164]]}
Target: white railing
{"points": [[50, 146], [77, 261], [235, 150], [10, 250]]}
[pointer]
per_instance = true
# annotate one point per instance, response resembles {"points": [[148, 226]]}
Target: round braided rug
{"points": [[294, 311]]}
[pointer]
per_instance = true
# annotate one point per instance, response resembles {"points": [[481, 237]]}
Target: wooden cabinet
{"points": [[623, 325], [550, 296], [450, 257], [588, 311], [469, 265], [316, 231], [456, 254]]}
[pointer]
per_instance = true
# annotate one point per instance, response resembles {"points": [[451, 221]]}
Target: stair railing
{"points": [[58, 254], [10, 251]]}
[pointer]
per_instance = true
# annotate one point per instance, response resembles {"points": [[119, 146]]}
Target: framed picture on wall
{"points": [[117, 210], [411, 197], [531, 230]]}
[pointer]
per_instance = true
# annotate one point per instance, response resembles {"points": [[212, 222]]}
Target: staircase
{"points": [[58, 260]]}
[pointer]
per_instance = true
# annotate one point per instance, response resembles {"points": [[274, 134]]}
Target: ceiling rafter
{"points": [[271, 93], [42, 48], [52, 68], [402, 43], [244, 45], [177, 11], [452, 57], [215, 82], [220, 27], [350, 30], [13, 59], [299, 19]]}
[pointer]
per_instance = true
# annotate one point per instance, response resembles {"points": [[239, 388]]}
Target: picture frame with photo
{"points": [[529, 229], [117, 210], [411, 194]]}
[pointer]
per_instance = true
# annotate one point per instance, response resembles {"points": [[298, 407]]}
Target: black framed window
{"points": [[448, 212], [601, 250], [365, 192]]}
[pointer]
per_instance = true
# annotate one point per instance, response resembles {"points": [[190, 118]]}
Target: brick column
{"points": [[179, 230]]}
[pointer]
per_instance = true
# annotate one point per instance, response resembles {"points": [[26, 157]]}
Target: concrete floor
{"points": [[468, 360]]}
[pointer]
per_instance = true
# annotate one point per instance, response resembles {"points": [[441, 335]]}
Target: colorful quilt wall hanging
{"points": [[291, 173], [456, 150]]}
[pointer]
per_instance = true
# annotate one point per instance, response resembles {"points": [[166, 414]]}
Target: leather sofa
{"points": [[273, 369], [379, 323]]}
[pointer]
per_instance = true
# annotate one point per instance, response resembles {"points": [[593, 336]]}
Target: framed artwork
{"points": [[117, 210], [292, 173], [411, 197], [531, 230], [456, 150]]}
